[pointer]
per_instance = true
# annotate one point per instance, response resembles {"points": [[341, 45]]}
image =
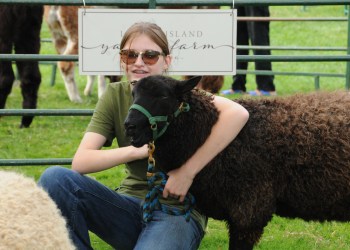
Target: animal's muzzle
{"points": [[129, 129]]}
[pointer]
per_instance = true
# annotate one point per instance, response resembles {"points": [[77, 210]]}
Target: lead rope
{"points": [[152, 201]]}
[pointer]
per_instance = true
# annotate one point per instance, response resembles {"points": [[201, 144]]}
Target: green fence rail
{"points": [[46, 112], [315, 75], [152, 4], [35, 162], [252, 58]]}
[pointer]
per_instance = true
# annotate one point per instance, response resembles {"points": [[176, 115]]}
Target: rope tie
{"points": [[152, 197]]}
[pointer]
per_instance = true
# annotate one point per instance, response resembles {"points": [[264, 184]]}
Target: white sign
{"points": [[202, 41]]}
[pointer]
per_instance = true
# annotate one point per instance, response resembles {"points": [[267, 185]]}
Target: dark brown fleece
{"points": [[292, 159]]}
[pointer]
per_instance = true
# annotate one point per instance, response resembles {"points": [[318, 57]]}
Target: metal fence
{"points": [[153, 4]]}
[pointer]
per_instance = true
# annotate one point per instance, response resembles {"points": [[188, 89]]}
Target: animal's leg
{"points": [[63, 23], [6, 39], [101, 85], [248, 215], [30, 78], [28, 42], [7, 78], [243, 239], [89, 85], [67, 72]]}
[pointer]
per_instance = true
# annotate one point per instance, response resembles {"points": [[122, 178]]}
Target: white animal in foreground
{"points": [[29, 219]]}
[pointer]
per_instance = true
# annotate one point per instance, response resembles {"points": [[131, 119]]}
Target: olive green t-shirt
{"points": [[108, 120]]}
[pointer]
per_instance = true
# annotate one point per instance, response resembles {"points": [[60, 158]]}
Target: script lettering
{"points": [[104, 47], [177, 45]]}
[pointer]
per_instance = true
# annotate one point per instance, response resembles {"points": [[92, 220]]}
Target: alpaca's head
{"points": [[156, 99]]}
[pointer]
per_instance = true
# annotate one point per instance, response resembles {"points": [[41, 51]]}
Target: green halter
{"points": [[153, 120]]}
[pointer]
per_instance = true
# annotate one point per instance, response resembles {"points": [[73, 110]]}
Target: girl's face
{"points": [[139, 69]]}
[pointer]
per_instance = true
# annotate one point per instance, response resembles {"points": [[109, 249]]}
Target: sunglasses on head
{"points": [[149, 57]]}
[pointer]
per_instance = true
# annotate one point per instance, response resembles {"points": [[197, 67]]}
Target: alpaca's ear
{"points": [[187, 85]]}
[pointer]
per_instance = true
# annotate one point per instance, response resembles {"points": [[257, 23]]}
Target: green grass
{"points": [[58, 137]]}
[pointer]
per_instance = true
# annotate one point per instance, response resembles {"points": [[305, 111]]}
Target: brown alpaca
{"points": [[211, 84], [63, 24]]}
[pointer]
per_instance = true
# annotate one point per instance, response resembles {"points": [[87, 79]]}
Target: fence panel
{"points": [[153, 4]]}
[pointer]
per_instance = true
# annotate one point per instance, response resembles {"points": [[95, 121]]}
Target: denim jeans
{"points": [[115, 218]]}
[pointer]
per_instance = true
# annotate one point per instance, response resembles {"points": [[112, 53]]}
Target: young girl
{"points": [[116, 216]]}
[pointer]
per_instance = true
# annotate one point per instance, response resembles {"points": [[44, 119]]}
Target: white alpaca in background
{"points": [[29, 219]]}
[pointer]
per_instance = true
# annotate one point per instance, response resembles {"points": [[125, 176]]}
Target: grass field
{"points": [[58, 137]]}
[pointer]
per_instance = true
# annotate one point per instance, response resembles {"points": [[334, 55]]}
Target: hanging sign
{"points": [[201, 41]]}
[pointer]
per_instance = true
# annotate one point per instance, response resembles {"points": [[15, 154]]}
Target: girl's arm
{"points": [[231, 120], [90, 158]]}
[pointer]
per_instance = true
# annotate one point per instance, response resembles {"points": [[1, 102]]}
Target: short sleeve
{"points": [[102, 121]]}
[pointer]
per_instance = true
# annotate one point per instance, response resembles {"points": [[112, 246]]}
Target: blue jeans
{"points": [[115, 218]]}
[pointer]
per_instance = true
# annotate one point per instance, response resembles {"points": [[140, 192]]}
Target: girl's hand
{"points": [[142, 152], [178, 184]]}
